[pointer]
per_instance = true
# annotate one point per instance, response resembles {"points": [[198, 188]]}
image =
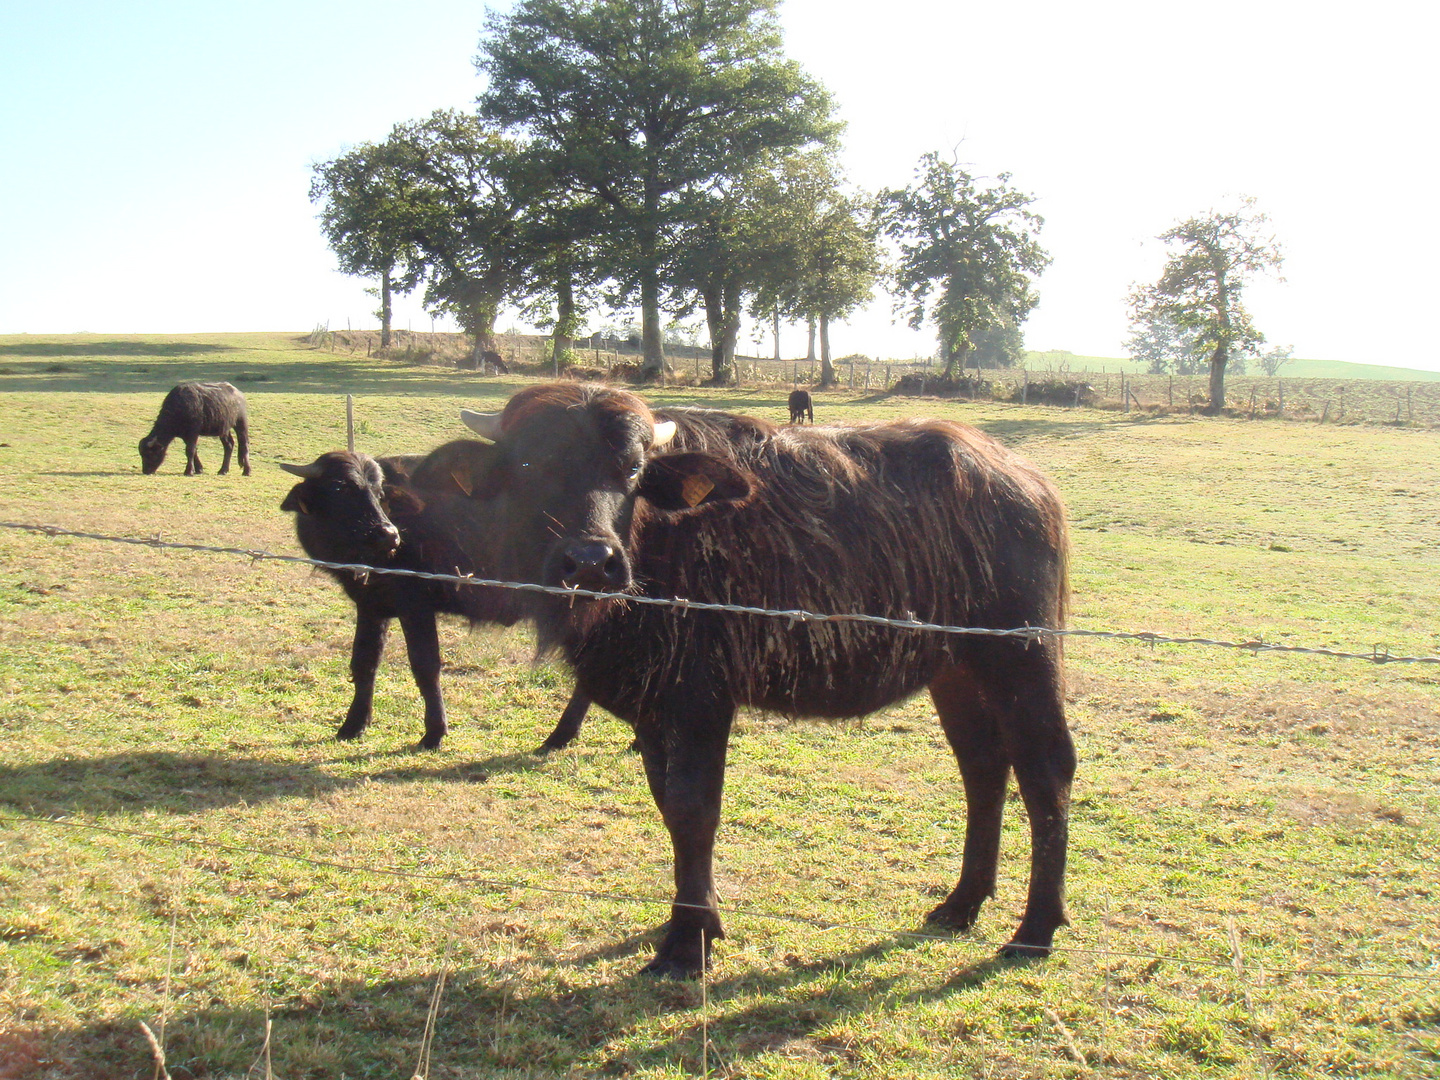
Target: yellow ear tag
{"points": [[461, 481], [695, 488]]}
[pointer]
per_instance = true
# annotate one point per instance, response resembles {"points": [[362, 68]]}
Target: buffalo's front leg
{"points": [[227, 443], [569, 725], [370, 631], [687, 777], [423, 644], [192, 458]]}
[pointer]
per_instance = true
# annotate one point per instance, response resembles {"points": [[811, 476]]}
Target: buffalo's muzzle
{"points": [[593, 564]]}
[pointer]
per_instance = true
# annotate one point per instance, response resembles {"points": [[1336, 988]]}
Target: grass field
{"points": [[1255, 848]]}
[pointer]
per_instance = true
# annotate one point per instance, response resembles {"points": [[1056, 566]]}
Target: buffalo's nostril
{"points": [[593, 564]]}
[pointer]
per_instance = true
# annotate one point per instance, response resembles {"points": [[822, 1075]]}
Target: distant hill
{"points": [[1295, 369]]}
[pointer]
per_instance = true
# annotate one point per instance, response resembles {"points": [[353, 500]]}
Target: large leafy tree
{"points": [[638, 101], [472, 196], [967, 254], [1201, 288], [365, 216], [819, 258]]}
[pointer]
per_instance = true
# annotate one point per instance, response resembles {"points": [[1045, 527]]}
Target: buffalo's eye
{"points": [[632, 468]]}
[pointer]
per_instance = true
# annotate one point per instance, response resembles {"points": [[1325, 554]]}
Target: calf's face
{"points": [[340, 510]]}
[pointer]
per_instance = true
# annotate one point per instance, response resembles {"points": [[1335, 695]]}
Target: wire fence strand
{"points": [[510, 885], [1378, 654]]}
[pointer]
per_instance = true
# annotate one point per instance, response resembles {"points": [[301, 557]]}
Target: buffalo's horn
{"points": [[484, 424], [313, 471], [664, 432]]}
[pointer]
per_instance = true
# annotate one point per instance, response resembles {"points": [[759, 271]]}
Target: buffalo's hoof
{"points": [[673, 968], [954, 916], [1018, 950], [350, 731], [431, 741]]}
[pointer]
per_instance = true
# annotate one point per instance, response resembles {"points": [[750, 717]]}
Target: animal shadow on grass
{"points": [[194, 783], [491, 1017]]}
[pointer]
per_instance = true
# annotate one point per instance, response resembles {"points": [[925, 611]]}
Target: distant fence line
{"points": [[1378, 654]]}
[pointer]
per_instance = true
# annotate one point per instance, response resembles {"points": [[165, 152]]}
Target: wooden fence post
{"points": [[350, 423], [1171, 398], [1124, 393], [1280, 389]]}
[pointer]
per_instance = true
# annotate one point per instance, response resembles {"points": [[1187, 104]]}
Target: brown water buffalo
{"points": [[918, 519], [352, 508], [193, 409]]}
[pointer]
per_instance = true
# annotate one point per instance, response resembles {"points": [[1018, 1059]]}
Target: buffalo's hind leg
{"points": [[227, 443], [1019, 701], [569, 724], [984, 768], [422, 641]]}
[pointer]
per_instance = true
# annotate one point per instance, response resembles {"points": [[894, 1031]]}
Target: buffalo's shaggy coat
{"points": [[193, 409], [352, 508], [926, 520]]}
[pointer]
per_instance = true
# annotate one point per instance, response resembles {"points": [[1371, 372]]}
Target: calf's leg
{"points": [[423, 644], [192, 458], [370, 632], [227, 443], [569, 725]]}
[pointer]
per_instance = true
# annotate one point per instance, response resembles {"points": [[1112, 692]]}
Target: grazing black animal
{"points": [[919, 519], [352, 508], [802, 407], [193, 409]]}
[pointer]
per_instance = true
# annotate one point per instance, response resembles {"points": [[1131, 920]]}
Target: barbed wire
{"points": [[1379, 653], [823, 925]]}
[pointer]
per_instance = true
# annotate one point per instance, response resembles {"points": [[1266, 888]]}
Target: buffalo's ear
{"points": [[682, 481], [294, 502], [464, 467]]}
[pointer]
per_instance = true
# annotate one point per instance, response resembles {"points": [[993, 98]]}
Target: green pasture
{"points": [[1255, 847]]}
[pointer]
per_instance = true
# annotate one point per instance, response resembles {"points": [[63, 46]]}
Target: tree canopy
{"points": [[967, 256], [638, 101], [364, 206], [1201, 288]]}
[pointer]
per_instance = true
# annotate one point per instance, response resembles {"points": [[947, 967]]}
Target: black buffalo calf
{"points": [[193, 409], [352, 508], [802, 407]]}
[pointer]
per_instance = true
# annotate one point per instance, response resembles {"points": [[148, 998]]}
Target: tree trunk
{"points": [[827, 369], [810, 349], [386, 309], [480, 320], [947, 356], [775, 330], [652, 343], [562, 339], [1217, 380], [731, 333], [715, 319]]}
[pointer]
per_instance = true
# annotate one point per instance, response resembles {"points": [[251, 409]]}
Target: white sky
{"points": [[156, 156]]}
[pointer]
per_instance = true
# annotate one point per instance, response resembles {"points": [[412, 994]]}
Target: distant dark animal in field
{"points": [[920, 519], [802, 407], [193, 409], [352, 508]]}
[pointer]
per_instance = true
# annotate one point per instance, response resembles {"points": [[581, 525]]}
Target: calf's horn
{"points": [[313, 471], [484, 424], [664, 432]]}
